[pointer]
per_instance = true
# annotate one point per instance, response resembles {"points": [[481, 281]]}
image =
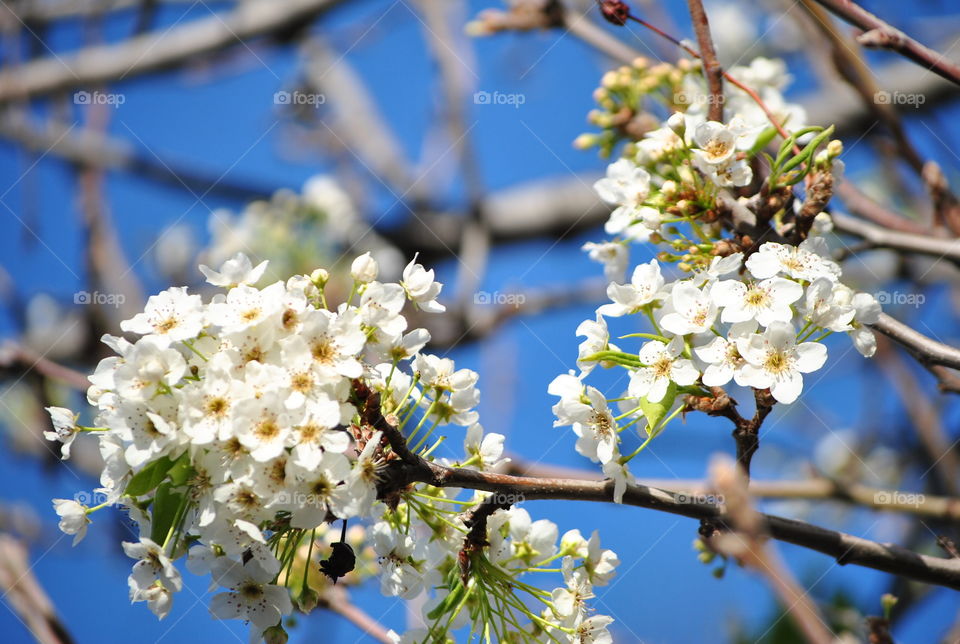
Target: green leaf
{"points": [[449, 602], [182, 470], [166, 506], [808, 151], [655, 412], [617, 357], [149, 477], [763, 140]]}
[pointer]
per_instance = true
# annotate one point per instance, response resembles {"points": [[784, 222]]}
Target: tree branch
{"points": [[155, 51], [881, 34], [927, 350], [708, 54]]}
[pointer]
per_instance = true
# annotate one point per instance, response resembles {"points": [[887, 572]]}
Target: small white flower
{"points": [[593, 422], [485, 449], [597, 338], [803, 262], [235, 271], [721, 356], [172, 315], [626, 184], [664, 365], [73, 518], [613, 255], [619, 473], [249, 594], [364, 269], [867, 311], [693, 310], [152, 570], [421, 287], [593, 631], [719, 266], [716, 141], [775, 360], [64, 428], [399, 574], [245, 307], [766, 301], [644, 287]]}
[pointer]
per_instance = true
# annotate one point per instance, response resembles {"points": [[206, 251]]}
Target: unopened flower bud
{"points": [[678, 123], [319, 277], [364, 269]]}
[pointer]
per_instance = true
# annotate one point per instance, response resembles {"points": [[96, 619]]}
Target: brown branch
{"points": [[712, 69], [880, 237], [160, 50], [845, 548], [409, 468], [18, 357], [818, 488], [926, 350], [25, 597], [335, 600], [860, 204], [881, 34], [750, 545]]}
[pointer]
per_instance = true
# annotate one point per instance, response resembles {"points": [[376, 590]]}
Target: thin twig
{"points": [[882, 34], [712, 69]]}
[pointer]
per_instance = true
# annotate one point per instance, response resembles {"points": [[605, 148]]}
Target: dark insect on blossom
{"points": [[342, 560]]}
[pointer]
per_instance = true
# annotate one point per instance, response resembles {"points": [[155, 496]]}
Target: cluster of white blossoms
{"points": [[732, 312], [517, 546], [233, 429], [758, 323]]}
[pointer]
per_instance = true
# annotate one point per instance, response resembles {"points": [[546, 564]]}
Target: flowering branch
{"points": [[845, 548]]}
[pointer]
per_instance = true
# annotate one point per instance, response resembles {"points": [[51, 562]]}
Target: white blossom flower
{"points": [[399, 575], [614, 257], [597, 338], [716, 142], [766, 301], [626, 185], [235, 271], [73, 518], [867, 311], [485, 450], [172, 315], [593, 631], [664, 365], [64, 428], [693, 310], [152, 569], [421, 287], [721, 356], [247, 306], [249, 594], [775, 360], [364, 269], [803, 262], [593, 422], [644, 287], [315, 491], [621, 476]]}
